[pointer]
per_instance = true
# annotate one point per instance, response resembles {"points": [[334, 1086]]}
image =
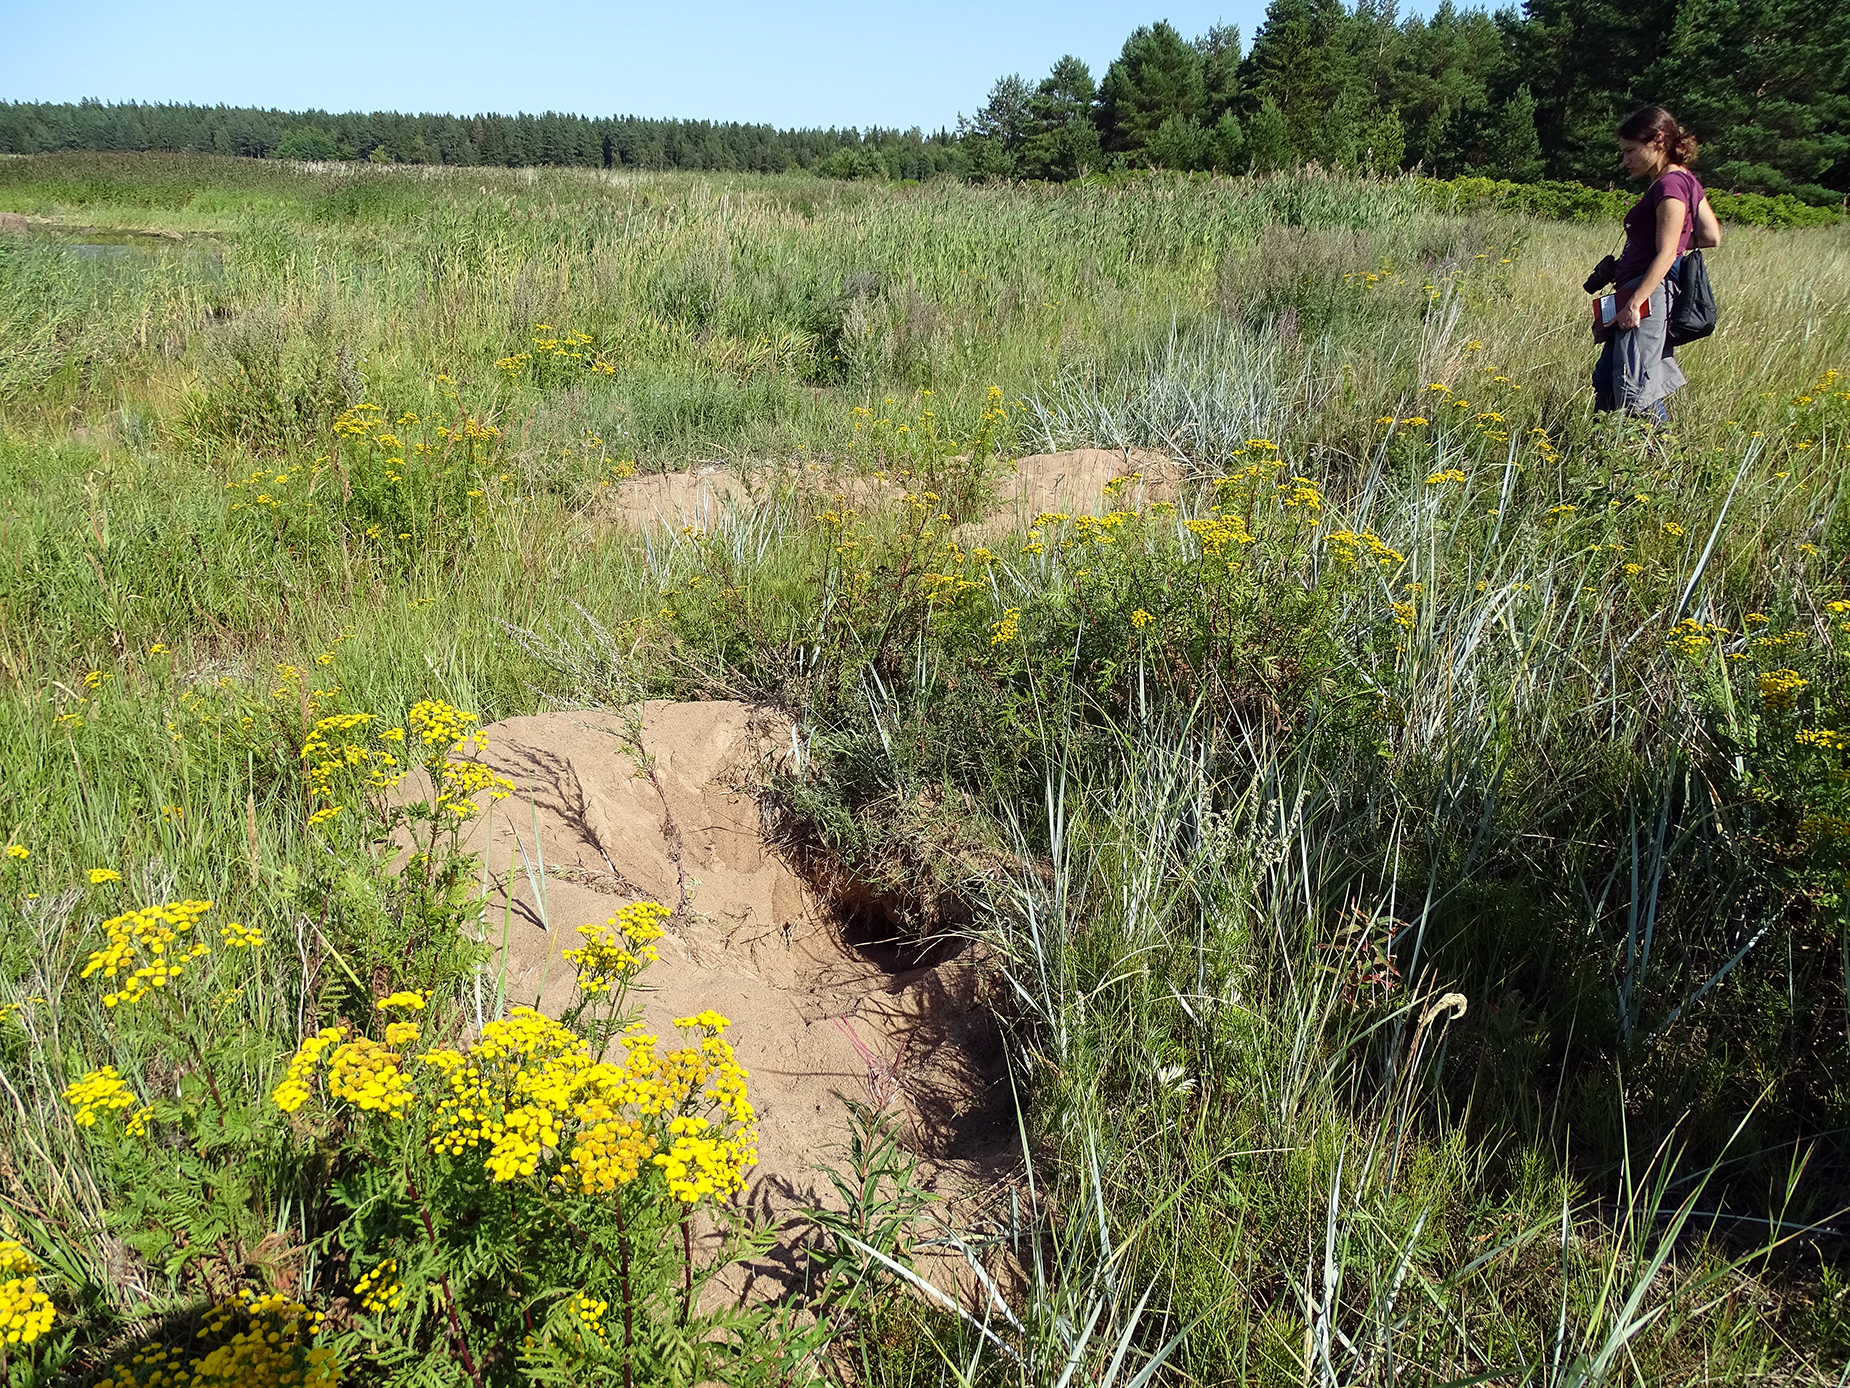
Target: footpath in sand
{"points": [[664, 808]]}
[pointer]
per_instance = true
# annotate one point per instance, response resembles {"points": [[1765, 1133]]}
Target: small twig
{"points": [[629, 1301], [687, 1268]]}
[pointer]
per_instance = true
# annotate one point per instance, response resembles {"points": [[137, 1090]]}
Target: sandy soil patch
{"points": [[1074, 482], [611, 810], [674, 499]]}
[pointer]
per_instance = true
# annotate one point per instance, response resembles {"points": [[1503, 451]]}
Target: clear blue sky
{"points": [[800, 63]]}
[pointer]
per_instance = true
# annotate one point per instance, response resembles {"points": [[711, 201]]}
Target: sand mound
{"points": [[1074, 482], [660, 805], [675, 499]]}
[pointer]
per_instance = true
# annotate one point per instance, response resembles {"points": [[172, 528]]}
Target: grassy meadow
{"points": [[1415, 862]]}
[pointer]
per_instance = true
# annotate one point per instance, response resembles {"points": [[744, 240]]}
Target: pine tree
{"points": [[1582, 61], [1765, 84], [1220, 69], [1268, 138], [1158, 75], [1227, 145], [1445, 64], [1062, 140], [1179, 143], [1384, 143], [1297, 65], [994, 135], [1338, 137], [1515, 146], [307, 142]]}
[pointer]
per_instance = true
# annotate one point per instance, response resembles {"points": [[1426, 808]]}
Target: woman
{"points": [[1637, 370]]}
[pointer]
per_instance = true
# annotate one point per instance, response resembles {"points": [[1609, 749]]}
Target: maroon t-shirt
{"points": [[1641, 222]]}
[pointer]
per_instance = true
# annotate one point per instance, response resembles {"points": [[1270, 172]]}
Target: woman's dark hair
{"points": [[1647, 123]]}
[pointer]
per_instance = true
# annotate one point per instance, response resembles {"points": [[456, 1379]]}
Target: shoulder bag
{"points": [[1692, 316]]}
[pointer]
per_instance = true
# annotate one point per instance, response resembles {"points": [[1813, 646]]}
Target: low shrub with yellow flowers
{"points": [[251, 1340], [26, 1313], [352, 764], [167, 1094], [411, 484], [368, 780], [556, 356], [390, 487], [608, 961], [576, 1156]]}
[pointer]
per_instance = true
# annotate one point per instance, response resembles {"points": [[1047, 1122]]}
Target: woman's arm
{"points": [[1708, 227], [1670, 215]]}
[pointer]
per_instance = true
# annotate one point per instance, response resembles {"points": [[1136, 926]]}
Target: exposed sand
{"points": [[816, 1018]]}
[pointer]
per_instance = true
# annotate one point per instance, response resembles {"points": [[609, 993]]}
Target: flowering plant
{"points": [[532, 1160]]}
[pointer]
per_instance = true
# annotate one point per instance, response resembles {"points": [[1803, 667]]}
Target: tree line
{"points": [[1520, 95], [553, 138], [1513, 94]]}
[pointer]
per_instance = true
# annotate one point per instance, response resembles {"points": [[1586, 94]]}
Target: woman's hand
{"points": [[1627, 317]]}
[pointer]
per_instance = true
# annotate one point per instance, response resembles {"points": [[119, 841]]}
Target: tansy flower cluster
{"points": [[1796, 636], [99, 1091], [471, 432], [366, 1074], [360, 1070], [1348, 546], [590, 1312], [1691, 637], [1780, 688], [529, 1093], [614, 952], [443, 726], [401, 1032], [25, 1312], [151, 934], [571, 350], [513, 1092], [293, 1092], [331, 753], [458, 782], [246, 1341], [337, 759], [380, 1289], [1216, 531], [1296, 494], [238, 936]]}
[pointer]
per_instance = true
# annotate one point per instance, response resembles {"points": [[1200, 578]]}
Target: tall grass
{"points": [[1460, 944]]}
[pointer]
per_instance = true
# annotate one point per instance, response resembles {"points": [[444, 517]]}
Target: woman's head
{"points": [[1650, 141]]}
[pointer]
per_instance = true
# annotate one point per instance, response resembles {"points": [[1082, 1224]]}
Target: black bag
{"points": [[1692, 317]]}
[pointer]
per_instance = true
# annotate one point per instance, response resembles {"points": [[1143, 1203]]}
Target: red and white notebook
{"points": [[1606, 312]]}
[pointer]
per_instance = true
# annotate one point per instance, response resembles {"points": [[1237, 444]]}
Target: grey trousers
{"points": [[1638, 369]]}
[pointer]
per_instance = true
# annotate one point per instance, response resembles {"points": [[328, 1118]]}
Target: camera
{"points": [[1602, 275]]}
